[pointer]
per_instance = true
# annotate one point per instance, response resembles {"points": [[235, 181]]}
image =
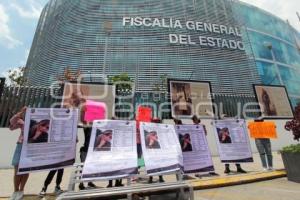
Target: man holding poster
{"points": [[196, 154], [49, 139], [161, 148], [233, 142], [112, 151]]}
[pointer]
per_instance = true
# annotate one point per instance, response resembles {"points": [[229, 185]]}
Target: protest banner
{"points": [[232, 141], [112, 151], [94, 111], [194, 146], [49, 139], [262, 130], [161, 148]]}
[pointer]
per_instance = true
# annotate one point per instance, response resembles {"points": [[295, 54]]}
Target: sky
{"points": [[19, 18]]}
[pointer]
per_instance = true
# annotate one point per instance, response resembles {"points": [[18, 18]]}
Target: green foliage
{"points": [[294, 148], [122, 81], [161, 84], [16, 76]]}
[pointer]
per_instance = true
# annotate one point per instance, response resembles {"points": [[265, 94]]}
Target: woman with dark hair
{"points": [[151, 140], [39, 132], [224, 136], [186, 143]]}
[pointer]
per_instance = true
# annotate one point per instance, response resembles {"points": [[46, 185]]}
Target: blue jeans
{"points": [[264, 148]]}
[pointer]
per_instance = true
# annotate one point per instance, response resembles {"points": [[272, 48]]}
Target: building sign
{"points": [[197, 26]]}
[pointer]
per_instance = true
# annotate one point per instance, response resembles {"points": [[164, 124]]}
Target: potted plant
{"points": [[291, 154]]}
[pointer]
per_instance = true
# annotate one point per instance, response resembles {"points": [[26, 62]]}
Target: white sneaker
{"points": [[58, 191], [42, 193], [19, 195], [13, 196], [265, 169], [271, 169]]}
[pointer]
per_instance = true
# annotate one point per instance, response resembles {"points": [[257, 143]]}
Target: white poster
{"points": [[233, 141], [194, 146], [49, 139], [112, 152], [161, 149]]}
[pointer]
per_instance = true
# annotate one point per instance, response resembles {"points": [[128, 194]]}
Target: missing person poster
{"points": [[232, 141], [49, 139], [112, 151], [194, 146], [161, 148], [190, 98]]}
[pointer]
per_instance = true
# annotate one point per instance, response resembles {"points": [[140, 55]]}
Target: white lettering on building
{"points": [[234, 33]]}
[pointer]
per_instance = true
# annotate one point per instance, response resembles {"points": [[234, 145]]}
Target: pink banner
{"points": [[94, 111]]}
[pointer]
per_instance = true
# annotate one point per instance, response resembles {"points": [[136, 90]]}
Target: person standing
{"points": [[265, 151], [51, 174], [263, 145], [118, 181], [17, 122], [87, 129], [197, 121], [74, 102], [161, 179]]}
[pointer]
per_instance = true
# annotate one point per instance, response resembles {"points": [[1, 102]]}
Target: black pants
{"points": [[238, 166], [60, 173]]}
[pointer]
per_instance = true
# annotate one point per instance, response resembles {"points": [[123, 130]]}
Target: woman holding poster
{"points": [[17, 122]]}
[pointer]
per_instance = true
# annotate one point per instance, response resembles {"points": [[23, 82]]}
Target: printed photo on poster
{"points": [[151, 140], [190, 98], [185, 142], [274, 101], [224, 135], [39, 131], [77, 94], [103, 140]]}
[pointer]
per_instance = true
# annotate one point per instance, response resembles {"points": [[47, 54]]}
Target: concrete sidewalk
{"points": [[35, 182]]}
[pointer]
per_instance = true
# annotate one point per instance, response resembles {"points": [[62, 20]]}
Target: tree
{"points": [[123, 82], [69, 76], [16, 76], [160, 86]]}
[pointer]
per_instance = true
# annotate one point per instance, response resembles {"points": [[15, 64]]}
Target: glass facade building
{"points": [[181, 39], [276, 48]]}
